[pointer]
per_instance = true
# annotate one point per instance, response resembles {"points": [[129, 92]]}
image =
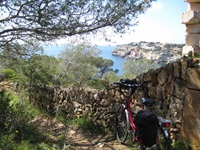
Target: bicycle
{"points": [[125, 124]]}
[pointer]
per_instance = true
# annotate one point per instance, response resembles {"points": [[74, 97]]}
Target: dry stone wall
{"points": [[176, 88]]}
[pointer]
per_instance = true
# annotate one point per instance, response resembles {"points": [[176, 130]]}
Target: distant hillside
{"points": [[155, 51]]}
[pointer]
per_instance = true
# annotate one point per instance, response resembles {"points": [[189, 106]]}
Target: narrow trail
{"points": [[77, 139]]}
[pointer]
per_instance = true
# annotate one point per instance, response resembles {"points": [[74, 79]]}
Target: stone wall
{"points": [[191, 19], [176, 88]]}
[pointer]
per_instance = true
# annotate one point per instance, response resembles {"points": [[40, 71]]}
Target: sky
{"points": [[160, 23]]}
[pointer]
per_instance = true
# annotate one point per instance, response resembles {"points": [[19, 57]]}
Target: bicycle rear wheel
{"points": [[164, 143], [122, 124]]}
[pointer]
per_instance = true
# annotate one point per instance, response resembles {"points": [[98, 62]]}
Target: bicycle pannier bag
{"points": [[146, 123]]}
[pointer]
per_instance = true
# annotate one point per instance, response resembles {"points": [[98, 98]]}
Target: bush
{"points": [[97, 83], [10, 74], [85, 123]]}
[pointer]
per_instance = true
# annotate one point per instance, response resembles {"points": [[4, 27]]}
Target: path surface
{"points": [[77, 139]]}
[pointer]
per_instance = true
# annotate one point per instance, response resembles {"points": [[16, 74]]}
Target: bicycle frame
{"points": [[129, 125], [128, 106]]}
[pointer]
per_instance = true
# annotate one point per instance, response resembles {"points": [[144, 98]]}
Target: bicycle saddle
{"points": [[148, 101]]}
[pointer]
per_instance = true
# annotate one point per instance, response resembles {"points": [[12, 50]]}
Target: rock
{"points": [[192, 1], [192, 39], [190, 17], [193, 76], [191, 117], [193, 28], [194, 5], [162, 76]]}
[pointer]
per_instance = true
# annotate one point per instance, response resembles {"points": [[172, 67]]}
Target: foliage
{"points": [[10, 74], [11, 54], [111, 77], [103, 65], [15, 130], [75, 65], [197, 55], [48, 20], [181, 144], [36, 73], [133, 68], [98, 83], [80, 63], [86, 124]]}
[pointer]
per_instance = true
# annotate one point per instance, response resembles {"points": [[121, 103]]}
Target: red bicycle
{"points": [[148, 130]]}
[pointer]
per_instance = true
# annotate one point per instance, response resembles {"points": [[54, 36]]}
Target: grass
{"points": [[85, 123]]}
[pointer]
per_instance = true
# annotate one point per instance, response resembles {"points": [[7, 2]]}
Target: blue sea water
{"points": [[106, 53]]}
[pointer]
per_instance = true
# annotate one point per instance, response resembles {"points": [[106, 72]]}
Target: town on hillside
{"points": [[154, 51]]}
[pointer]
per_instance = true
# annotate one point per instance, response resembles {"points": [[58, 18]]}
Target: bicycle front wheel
{"points": [[122, 124]]}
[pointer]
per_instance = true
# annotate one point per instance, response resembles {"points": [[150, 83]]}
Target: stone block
{"points": [[194, 6], [192, 39], [191, 118], [190, 17], [193, 28], [193, 78], [192, 1]]}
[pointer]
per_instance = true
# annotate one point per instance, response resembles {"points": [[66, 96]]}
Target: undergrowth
{"points": [[85, 123]]}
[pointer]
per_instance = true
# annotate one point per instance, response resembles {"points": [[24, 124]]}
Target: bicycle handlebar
{"points": [[128, 83]]}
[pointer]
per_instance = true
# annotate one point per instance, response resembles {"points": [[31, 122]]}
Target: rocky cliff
{"points": [[155, 51]]}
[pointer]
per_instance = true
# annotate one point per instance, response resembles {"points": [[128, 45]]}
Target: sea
{"points": [[106, 53]]}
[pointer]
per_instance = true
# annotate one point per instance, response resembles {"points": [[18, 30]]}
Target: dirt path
{"points": [[76, 139], [93, 141]]}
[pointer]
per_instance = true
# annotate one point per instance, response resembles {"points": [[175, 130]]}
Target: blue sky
{"points": [[160, 23]]}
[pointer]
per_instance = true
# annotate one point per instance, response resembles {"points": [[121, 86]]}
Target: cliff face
{"points": [[157, 52]]}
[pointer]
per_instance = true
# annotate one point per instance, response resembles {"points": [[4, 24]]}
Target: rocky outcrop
{"points": [[175, 87], [156, 52]]}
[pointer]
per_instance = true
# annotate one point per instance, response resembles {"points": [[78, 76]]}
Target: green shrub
{"points": [[86, 124], [10, 74], [98, 83], [181, 144]]}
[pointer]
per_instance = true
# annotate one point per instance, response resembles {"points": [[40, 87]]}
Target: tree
{"points": [[46, 20], [76, 65], [36, 73], [103, 65], [132, 68], [80, 62]]}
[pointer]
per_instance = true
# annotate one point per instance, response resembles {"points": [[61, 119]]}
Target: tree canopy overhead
{"points": [[46, 20]]}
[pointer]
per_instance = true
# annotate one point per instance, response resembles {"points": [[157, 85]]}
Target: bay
{"points": [[106, 53]]}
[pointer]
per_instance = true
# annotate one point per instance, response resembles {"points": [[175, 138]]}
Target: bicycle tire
{"points": [[164, 143], [122, 124]]}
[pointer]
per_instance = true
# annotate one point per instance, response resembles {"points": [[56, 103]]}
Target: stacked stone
{"points": [[191, 18]]}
